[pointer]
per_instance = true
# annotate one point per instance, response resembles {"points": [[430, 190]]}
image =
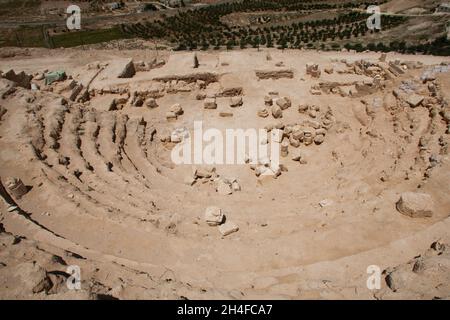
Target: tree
{"points": [[230, 44], [196, 64]]}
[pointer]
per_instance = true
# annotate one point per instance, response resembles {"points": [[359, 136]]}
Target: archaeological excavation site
{"points": [[88, 177], [260, 173]]}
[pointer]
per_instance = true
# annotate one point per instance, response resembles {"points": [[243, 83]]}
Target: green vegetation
{"points": [[36, 37], [7, 6], [437, 47], [22, 37], [207, 28], [204, 28], [73, 39]]}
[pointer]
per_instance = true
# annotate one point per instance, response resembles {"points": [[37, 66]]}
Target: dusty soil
{"points": [[104, 194]]}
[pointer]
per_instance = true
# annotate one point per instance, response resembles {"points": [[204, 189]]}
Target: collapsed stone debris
{"points": [[203, 174], [214, 217], [179, 135], [226, 186]]}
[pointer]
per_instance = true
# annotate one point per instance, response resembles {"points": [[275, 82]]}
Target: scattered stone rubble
{"points": [[223, 185], [379, 72], [214, 217], [426, 276], [307, 132], [414, 94], [264, 167], [430, 73], [174, 111], [179, 135], [276, 104], [203, 174], [226, 186]]}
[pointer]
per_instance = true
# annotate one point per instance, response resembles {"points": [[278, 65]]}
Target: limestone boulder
{"points": [[283, 103], [228, 228], [415, 205], [236, 102], [263, 113], [128, 70], [210, 103], [177, 109], [151, 103], [213, 216], [277, 112]]}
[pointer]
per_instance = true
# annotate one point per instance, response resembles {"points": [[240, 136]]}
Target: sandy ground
{"points": [[125, 207]]}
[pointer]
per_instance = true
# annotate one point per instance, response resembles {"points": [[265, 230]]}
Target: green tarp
{"points": [[54, 76]]}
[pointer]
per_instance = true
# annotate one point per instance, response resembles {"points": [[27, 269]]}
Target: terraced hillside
{"points": [[326, 25], [407, 26]]}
